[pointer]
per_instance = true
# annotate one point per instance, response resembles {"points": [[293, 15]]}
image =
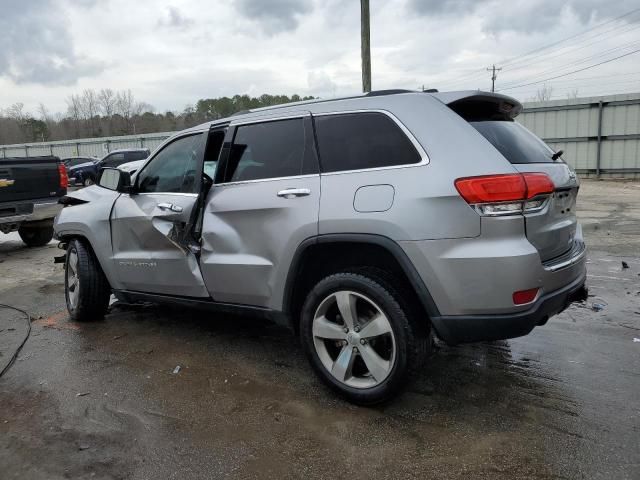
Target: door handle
{"points": [[294, 192], [170, 206]]}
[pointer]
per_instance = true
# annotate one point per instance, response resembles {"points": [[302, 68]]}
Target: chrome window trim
{"points": [[421, 151], [269, 118], [270, 179], [176, 194]]}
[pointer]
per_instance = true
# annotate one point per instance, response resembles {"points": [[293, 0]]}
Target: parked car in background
{"points": [[87, 173], [75, 161], [367, 224], [30, 188], [132, 167]]}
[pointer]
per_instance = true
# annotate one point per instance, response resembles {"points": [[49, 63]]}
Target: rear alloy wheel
{"points": [[359, 338], [354, 339], [87, 290], [87, 182]]}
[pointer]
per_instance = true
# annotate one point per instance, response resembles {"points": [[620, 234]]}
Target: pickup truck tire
{"points": [[35, 236], [87, 290], [367, 360]]}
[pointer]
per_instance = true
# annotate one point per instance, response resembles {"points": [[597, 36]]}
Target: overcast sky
{"points": [[172, 53]]}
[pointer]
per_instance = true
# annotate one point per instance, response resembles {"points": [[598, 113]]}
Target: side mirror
{"points": [[115, 179]]}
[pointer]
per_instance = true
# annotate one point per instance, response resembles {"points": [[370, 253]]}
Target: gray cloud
{"points": [[275, 16], [527, 16], [174, 19], [36, 47]]}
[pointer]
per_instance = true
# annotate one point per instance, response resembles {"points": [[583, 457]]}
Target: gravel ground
{"points": [[100, 400]]}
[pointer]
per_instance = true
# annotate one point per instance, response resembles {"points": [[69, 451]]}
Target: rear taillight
{"points": [[506, 194], [64, 178]]}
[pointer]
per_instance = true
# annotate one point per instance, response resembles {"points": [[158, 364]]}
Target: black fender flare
{"points": [[385, 242]]}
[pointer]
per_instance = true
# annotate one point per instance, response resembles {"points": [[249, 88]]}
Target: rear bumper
{"points": [[34, 211], [456, 329]]}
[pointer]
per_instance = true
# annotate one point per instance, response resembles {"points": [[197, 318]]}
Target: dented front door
{"points": [[150, 229]]}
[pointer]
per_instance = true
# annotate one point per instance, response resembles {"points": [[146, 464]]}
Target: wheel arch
{"points": [[66, 237], [311, 262]]}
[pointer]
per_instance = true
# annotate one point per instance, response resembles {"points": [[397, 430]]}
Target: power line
{"points": [[571, 73], [580, 61], [519, 58]]}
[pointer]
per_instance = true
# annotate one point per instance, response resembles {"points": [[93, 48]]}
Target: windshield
{"points": [[514, 142]]}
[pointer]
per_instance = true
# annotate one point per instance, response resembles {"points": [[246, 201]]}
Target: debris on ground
{"points": [[82, 394], [596, 307], [625, 264], [636, 340], [177, 369], [83, 447]]}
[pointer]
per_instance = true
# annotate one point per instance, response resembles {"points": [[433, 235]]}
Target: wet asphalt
{"points": [[100, 400]]}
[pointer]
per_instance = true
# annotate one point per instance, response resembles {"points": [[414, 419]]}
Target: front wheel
{"points": [[87, 290], [358, 336]]}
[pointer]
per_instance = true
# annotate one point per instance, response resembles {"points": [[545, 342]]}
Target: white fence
{"points": [[93, 147], [600, 136]]}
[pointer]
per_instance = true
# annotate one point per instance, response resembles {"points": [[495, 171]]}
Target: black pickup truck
{"points": [[30, 188]]}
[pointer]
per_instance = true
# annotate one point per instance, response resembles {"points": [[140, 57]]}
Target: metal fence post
{"points": [[78, 148], [51, 149], [599, 147], [4, 152]]}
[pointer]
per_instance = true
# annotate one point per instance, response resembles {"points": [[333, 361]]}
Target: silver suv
{"points": [[367, 224]]}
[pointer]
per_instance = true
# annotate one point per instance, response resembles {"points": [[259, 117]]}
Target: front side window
{"points": [[354, 141], [175, 168], [267, 150]]}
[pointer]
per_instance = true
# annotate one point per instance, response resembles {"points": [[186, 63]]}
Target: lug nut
{"points": [[346, 330], [362, 341], [357, 329], [355, 349]]}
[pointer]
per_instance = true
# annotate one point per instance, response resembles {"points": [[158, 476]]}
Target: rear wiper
{"points": [[557, 155]]}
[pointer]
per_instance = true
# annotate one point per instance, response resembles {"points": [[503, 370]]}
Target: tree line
{"points": [[106, 112]]}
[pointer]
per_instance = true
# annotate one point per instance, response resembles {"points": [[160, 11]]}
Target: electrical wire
{"points": [[15, 354], [580, 61], [522, 57], [569, 73]]}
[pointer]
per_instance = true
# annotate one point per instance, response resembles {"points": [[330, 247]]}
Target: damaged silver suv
{"points": [[368, 224]]}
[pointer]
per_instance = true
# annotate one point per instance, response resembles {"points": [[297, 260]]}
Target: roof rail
{"points": [[380, 93]]}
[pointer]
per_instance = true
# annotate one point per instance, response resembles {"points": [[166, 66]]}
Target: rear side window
{"points": [[514, 142], [353, 141], [267, 150]]}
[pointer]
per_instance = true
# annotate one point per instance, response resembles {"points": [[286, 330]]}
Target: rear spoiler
{"points": [[477, 105]]}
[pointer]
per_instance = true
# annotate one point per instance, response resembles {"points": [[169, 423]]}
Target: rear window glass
{"points": [[354, 141], [514, 142]]}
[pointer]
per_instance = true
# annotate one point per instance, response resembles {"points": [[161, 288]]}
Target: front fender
{"points": [[90, 219]]}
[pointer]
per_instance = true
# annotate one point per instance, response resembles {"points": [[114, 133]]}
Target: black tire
{"points": [[93, 288], [35, 236], [412, 337]]}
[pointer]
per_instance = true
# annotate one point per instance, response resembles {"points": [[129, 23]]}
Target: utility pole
{"points": [[365, 45], [494, 75]]}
